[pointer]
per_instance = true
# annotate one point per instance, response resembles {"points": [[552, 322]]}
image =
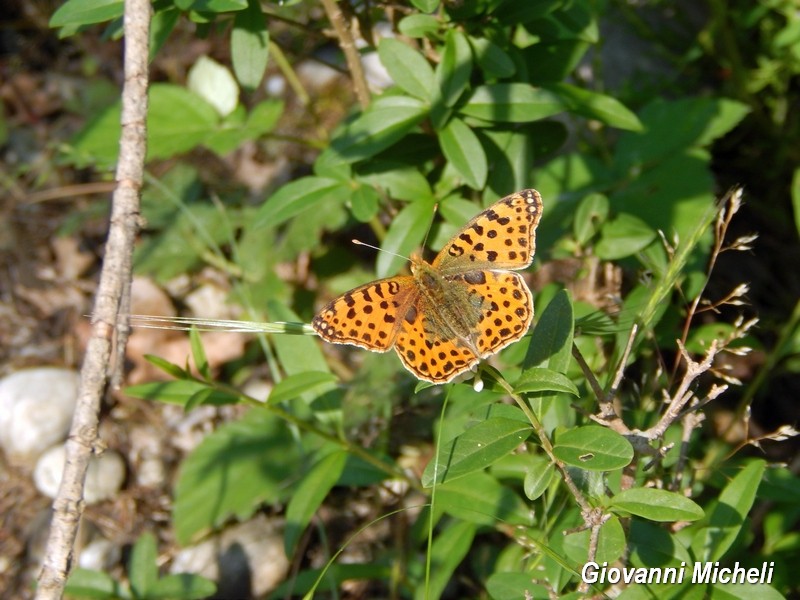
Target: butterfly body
{"points": [[448, 314]]}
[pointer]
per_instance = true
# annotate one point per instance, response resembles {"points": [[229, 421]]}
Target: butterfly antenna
{"points": [[430, 225], [360, 243]]}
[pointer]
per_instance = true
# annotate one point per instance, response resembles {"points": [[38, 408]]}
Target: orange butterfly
{"points": [[447, 315]]}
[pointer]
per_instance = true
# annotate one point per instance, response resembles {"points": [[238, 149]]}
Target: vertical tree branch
{"points": [[348, 46], [114, 283]]}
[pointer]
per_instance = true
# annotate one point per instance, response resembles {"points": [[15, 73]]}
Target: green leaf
{"points": [[671, 126], [729, 514], [493, 60], [475, 449], [84, 583], [407, 67], [593, 105], [76, 13], [454, 69], [142, 566], [250, 46], [538, 379], [311, 491], [426, 6], [177, 121], [380, 126], [364, 203], [199, 354], [593, 448], [623, 236], [463, 150], [610, 543], [232, 472], [297, 197], [512, 103], [589, 217], [551, 342], [501, 585], [178, 392], [296, 385], [183, 586], [418, 26], [479, 498], [746, 591], [656, 505], [653, 546], [166, 366], [538, 477], [400, 180], [211, 6], [215, 83], [449, 548], [796, 199], [405, 235]]}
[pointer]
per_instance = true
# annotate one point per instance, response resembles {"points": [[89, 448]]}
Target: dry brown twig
{"points": [[109, 333]]}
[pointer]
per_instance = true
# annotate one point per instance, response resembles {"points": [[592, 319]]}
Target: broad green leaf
{"points": [[380, 126], [84, 583], [454, 69], [297, 197], [401, 181], [589, 217], [405, 235], [177, 121], [537, 479], [407, 67], [551, 342], [555, 61], [308, 496], [295, 385], [418, 26], [211, 6], [364, 203], [654, 546], [449, 548], [493, 60], [502, 585], [656, 505], [250, 46], [479, 498], [183, 586], [426, 6], [178, 392], [512, 103], [464, 151], [215, 84], [593, 448], [744, 591], [729, 514], [538, 379], [623, 236], [593, 105], [671, 126], [232, 472], [142, 565], [796, 199], [76, 13], [610, 544], [475, 449]]}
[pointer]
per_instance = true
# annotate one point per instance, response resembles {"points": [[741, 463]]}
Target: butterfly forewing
{"points": [[501, 237]]}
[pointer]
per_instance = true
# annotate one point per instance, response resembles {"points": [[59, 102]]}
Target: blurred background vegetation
{"points": [[265, 157]]}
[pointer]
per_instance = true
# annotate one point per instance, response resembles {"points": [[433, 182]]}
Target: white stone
{"points": [[99, 555], [36, 407], [253, 549], [104, 477]]}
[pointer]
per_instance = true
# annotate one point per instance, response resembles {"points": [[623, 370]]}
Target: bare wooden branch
{"points": [[348, 46], [114, 283]]}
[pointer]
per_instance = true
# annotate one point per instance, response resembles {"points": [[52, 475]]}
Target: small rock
{"points": [[99, 555], [246, 560], [103, 479], [36, 407]]}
